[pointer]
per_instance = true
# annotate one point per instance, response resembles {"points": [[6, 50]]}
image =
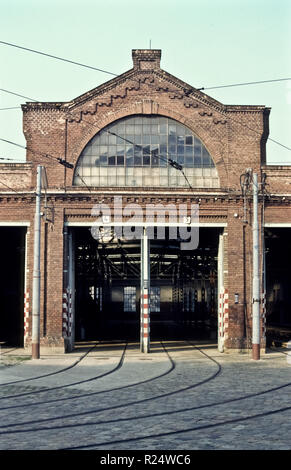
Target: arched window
{"points": [[135, 151]]}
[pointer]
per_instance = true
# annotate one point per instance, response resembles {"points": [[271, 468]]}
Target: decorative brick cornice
{"points": [[15, 166], [44, 106], [109, 102], [88, 217], [16, 198]]}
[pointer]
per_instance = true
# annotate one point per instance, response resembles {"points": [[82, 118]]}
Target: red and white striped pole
{"points": [[69, 313], [220, 317], [225, 313], [220, 288], [263, 301], [145, 295], [26, 316], [264, 287], [65, 313]]}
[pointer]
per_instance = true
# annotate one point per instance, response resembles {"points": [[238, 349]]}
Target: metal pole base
{"points": [[256, 352], [35, 351], [146, 346]]}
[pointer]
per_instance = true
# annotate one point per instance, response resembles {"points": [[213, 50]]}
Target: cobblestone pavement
{"points": [[177, 397]]}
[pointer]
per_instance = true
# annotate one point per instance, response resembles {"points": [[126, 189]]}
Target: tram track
{"points": [[7, 429], [131, 403], [7, 351], [156, 415], [71, 384], [191, 429], [71, 366], [85, 395], [180, 431], [279, 350], [165, 413]]}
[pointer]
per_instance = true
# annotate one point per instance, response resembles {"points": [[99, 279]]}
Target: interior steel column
{"points": [[145, 294]]}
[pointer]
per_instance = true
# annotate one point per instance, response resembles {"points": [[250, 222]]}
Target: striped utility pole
{"points": [[36, 270], [145, 294], [220, 283], [41, 182]]}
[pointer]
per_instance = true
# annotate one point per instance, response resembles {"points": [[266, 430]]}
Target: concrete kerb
{"points": [[57, 356]]}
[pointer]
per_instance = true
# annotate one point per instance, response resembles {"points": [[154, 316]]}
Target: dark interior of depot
{"points": [[278, 282], [12, 255], [183, 295], [107, 279]]}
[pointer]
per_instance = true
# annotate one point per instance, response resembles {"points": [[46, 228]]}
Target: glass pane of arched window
{"points": [[138, 151]]}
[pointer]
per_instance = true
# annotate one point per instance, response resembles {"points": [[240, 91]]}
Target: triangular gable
{"points": [[153, 76]]}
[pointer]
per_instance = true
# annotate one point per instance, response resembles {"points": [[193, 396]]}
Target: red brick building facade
{"points": [[232, 137]]}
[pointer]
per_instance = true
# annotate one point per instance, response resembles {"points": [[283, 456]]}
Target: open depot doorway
{"points": [[277, 284], [182, 294], [12, 280]]}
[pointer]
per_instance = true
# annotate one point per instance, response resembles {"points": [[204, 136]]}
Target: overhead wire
{"points": [[83, 181], [258, 82], [6, 158], [43, 154], [161, 157], [2, 182], [17, 94], [187, 93], [56, 57], [116, 75], [9, 187], [12, 107], [46, 155], [99, 128], [170, 161], [152, 153]]}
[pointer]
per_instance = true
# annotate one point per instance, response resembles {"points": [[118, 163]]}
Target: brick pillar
{"points": [[54, 283], [238, 285]]}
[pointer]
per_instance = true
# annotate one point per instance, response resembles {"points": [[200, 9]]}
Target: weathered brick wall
{"points": [[278, 179], [234, 135], [53, 282], [15, 176], [44, 130]]}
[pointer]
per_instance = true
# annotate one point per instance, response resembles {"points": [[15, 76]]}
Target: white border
{"points": [[278, 225], [145, 224], [14, 224]]}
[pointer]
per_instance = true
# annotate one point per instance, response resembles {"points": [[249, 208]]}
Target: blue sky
{"points": [[204, 43]]}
